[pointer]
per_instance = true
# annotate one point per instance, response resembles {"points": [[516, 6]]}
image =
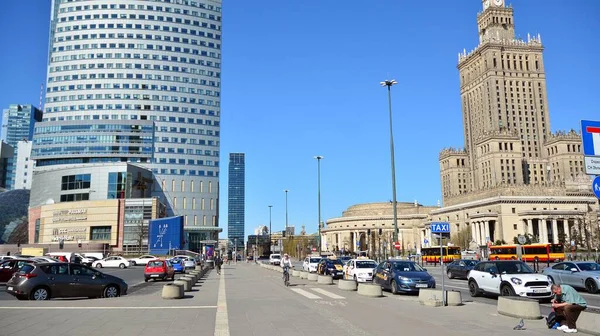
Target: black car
{"points": [[460, 268], [333, 267]]}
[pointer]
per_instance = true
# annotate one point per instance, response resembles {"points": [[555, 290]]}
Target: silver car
{"points": [[578, 274]]}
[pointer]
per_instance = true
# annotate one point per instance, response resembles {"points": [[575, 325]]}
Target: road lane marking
{"points": [[222, 318], [328, 294], [109, 308], [306, 294]]}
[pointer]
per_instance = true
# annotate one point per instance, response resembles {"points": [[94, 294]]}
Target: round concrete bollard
{"points": [[313, 277], [325, 280], [347, 285], [187, 285], [198, 268], [195, 273], [191, 280], [304, 275], [172, 291], [369, 290], [295, 273]]}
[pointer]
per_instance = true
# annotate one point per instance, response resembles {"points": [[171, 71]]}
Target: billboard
{"points": [[165, 234]]}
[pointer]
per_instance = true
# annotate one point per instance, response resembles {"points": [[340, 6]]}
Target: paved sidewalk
{"points": [[143, 312]]}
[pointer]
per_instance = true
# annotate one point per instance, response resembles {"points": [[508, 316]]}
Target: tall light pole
{"points": [[286, 210], [389, 84], [319, 157], [270, 242]]}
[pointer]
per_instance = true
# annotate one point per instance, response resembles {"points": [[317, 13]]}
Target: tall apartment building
{"points": [[506, 119], [139, 82], [236, 200], [18, 123], [24, 165]]}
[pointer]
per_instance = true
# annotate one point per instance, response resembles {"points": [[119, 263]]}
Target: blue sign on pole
{"points": [[596, 186], [590, 137], [440, 227]]}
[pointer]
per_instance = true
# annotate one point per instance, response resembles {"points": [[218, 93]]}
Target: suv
{"points": [[274, 259], [508, 278]]}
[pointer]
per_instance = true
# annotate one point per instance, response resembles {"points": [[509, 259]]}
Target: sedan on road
{"points": [[402, 276], [11, 266], [578, 274], [460, 268], [142, 260], [333, 267], [119, 262], [51, 280]]}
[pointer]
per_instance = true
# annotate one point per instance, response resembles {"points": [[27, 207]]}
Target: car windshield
{"points": [[314, 260], [469, 263], [276, 256], [589, 266], [366, 264], [407, 267], [335, 262], [513, 268]]}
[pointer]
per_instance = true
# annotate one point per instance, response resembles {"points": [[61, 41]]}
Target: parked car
{"points": [[142, 260], [275, 259], [159, 269], [11, 266], [508, 278], [178, 265], [361, 270], [52, 280], [45, 260], [333, 267], [310, 264], [460, 268], [578, 274], [116, 261], [402, 276]]}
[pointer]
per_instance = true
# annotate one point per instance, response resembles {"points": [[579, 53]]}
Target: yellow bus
{"points": [[432, 254], [541, 252]]}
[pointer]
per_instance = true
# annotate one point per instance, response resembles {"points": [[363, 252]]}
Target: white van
{"points": [[275, 259], [98, 256], [71, 257]]}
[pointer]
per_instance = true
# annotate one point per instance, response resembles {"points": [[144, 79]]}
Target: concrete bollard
{"points": [[325, 280], [518, 307], [370, 290], [312, 277], [295, 273], [303, 275], [431, 297], [191, 279], [172, 291], [347, 285], [198, 268], [187, 285], [588, 323], [453, 298]]}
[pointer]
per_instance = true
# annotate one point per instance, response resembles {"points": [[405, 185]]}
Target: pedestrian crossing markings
{"points": [[313, 296]]}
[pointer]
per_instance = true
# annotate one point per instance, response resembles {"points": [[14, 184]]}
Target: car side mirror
{"points": [[573, 270], [425, 269], [493, 274]]}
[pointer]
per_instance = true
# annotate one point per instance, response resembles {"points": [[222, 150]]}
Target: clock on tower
{"points": [[499, 3]]}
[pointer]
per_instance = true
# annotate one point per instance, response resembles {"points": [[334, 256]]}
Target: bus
{"points": [[541, 252], [432, 254]]}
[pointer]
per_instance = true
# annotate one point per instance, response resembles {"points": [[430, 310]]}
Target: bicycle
{"points": [[286, 276]]}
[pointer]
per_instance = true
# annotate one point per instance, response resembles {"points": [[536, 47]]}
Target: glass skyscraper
{"points": [[236, 199], [18, 123], [138, 81]]}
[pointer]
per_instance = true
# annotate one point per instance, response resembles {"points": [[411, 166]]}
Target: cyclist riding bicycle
{"points": [[286, 263]]}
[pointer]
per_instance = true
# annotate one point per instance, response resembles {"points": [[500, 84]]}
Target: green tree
{"points": [[462, 238]]}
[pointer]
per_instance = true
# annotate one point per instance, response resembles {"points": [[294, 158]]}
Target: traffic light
{"points": [[18, 244], [61, 244], [79, 245]]}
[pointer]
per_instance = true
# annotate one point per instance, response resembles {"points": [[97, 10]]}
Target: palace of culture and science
{"points": [[513, 176]]}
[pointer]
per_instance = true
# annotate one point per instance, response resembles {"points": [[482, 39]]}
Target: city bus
{"points": [[432, 254], [543, 252]]}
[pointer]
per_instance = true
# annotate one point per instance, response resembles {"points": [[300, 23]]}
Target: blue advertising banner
{"points": [[165, 234]]}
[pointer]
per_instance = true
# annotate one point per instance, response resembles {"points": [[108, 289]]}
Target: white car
{"points": [[310, 264], [188, 262], [275, 259], [119, 262], [360, 270], [142, 260], [508, 278]]}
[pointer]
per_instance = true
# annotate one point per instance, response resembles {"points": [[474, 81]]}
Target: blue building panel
{"points": [[165, 234]]}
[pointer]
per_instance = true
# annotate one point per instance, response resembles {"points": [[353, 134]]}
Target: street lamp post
{"points": [[286, 210], [389, 84], [270, 241], [319, 157]]}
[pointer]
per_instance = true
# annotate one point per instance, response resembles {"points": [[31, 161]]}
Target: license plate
{"points": [[540, 291], [154, 275], [9, 288], [421, 286]]}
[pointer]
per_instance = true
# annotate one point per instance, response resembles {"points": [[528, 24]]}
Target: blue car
{"points": [[178, 265], [402, 276]]}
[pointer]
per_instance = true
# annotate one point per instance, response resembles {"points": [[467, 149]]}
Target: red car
{"points": [[11, 266], [159, 269]]}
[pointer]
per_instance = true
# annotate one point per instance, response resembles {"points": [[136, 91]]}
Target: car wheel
{"points": [[133, 263], [507, 290], [121, 266], [98, 265], [111, 291], [450, 275], [394, 287], [474, 288], [591, 286], [146, 280], [40, 294]]}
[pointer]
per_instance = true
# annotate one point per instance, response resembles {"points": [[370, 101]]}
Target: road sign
{"points": [[521, 239], [590, 137], [426, 241], [397, 245], [596, 186], [592, 165], [440, 227]]}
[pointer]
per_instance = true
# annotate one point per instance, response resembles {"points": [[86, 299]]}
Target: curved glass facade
{"points": [[138, 81]]}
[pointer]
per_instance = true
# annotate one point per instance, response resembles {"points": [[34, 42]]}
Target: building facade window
{"points": [[100, 233], [74, 182]]}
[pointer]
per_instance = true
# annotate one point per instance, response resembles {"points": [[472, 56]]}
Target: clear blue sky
{"points": [[301, 78]]}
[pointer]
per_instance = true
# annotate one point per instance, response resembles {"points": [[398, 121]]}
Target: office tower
{"points": [[236, 200], [24, 165], [139, 82], [18, 123]]}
